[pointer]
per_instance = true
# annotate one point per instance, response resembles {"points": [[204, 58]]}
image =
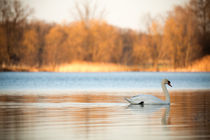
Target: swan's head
{"points": [[166, 81]]}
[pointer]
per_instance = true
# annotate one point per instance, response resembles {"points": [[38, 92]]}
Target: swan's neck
{"points": [[166, 93]]}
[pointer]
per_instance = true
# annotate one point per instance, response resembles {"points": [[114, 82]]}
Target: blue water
{"points": [[115, 81], [102, 116]]}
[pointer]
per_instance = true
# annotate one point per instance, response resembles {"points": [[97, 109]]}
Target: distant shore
{"points": [[202, 65], [93, 67]]}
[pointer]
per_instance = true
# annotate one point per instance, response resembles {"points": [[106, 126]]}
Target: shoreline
{"points": [[201, 65], [97, 69]]}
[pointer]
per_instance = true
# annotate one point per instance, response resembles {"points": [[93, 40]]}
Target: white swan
{"points": [[149, 99]]}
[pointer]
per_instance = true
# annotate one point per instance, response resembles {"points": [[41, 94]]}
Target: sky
{"points": [[121, 13]]}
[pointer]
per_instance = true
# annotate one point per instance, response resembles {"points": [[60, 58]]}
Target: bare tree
{"points": [[201, 9], [85, 12], [13, 16], [181, 37]]}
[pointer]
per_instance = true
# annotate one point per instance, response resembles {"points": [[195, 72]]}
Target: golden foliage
{"points": [[96, 45], [4, 57], [181, 37], [30, 50]]}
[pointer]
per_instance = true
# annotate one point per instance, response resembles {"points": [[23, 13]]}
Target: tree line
{"points": [[180, 39]]}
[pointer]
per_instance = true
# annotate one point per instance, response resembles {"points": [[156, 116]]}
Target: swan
{"points": [[149, 99]]}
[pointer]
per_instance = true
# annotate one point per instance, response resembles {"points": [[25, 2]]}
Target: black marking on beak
{"points": [[169, 83]]}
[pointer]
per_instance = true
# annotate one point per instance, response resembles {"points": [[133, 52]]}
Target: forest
{"points": [[178, 41]]}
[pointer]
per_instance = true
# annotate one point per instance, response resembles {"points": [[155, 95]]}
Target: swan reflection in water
{"points": [[151, 112]]}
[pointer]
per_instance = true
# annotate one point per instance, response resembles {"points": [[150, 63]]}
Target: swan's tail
{"points": [[127, 100]]}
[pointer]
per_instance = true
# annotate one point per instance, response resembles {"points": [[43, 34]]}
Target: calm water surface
{"points": [[116, 81], [90, 106]]}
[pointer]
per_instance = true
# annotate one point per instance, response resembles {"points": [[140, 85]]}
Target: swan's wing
{"points": [[137, 99], [146, 99], [134, 101]]}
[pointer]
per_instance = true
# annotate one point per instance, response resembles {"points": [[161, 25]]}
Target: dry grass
{"points": [[91, 67], [201, 65], [21, 68]]}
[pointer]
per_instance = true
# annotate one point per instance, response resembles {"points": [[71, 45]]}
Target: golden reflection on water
{"points": [[103, 116]]}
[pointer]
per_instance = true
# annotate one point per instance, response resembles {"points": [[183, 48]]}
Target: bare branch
{"points": [[87, 10]]}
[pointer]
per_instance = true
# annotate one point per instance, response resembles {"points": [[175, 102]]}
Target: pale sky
{"points": [[121, 13]]}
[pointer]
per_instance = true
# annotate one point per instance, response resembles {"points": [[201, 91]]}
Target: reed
{"points": [[91, 67], [201, 65], [19, 68]]}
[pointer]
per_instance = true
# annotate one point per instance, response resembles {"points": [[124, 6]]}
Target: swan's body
{"points": [[149, 99], [145, 99]]}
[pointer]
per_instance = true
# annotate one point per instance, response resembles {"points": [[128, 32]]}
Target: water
{"points": [[90, 106], [124, 81]]}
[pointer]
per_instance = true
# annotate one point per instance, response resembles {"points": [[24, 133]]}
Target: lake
{"points": [[89, 82], [90, 106]]}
